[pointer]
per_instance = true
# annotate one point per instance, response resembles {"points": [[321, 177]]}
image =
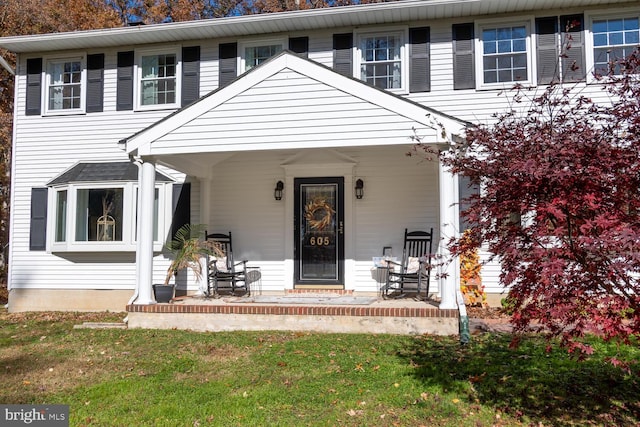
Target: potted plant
{"points": [[187, 247]]}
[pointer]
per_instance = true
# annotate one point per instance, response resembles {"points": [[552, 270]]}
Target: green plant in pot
{"points": [[187, 247]]}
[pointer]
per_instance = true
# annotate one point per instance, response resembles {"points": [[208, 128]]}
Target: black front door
{"points": [[319, 231]]}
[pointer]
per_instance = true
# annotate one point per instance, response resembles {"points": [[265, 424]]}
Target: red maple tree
{"points": [[560, 207]]}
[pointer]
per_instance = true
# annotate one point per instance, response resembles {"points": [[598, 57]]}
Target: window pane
{"points": [[156, 204], [613, 39], [505, 57], [64, 80], [61, 216], [99, 215], [380, 63], [158, 84], [256, 55]]}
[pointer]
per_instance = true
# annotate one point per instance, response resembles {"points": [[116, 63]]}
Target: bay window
{"points": [[94, 207]]}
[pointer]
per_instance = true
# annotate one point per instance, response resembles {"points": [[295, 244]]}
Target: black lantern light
{"points": [[277, 192], [359, 189]]}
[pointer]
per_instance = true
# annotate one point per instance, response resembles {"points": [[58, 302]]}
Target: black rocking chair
{"points": [[222, 271], [414, 272]]}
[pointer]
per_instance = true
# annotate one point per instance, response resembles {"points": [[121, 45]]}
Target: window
{"points": [[94, 217], [255, 53], [99, 215], [65, 81], [254, 56], [158, 84], [381, 59], [61, 216], [505, 54], [613, 38]]}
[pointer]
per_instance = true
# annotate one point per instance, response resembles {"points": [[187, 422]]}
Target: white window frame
{"points": [[591, 16], [242, 62], [82, 58], [403, 33], [137, 84], [129, 203], [480, 26]]}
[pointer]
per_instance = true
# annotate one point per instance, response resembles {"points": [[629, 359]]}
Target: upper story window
{"points": [[158, 79], [65, 85], [505, 54], [381, 59], [255, 53], [613, 38]]}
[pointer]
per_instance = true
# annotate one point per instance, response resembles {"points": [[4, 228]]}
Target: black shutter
{"points": [[573, 65], [95, 82], [190, 74], [419, 71], [343, 54], [124, 97], [181, 206], [34, 87], [463, 57], [547, 55], [228, 63], [300, 46], [38, 227]]}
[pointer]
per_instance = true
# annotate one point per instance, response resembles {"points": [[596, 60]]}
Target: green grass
{"points": [[178, 378]]}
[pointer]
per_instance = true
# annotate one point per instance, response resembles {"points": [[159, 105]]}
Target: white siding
{"points": [[399, 191]]}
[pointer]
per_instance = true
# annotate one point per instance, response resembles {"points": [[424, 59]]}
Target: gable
{"points": [[291, 102]]}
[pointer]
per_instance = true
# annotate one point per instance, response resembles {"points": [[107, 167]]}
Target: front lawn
{"points": [[113, 377]]}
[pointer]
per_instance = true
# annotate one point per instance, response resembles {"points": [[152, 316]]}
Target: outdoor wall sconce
{"points": [[277, 192], [359, 189]]}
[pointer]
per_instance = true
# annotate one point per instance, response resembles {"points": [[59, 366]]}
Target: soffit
{"points": [[304, 20]]}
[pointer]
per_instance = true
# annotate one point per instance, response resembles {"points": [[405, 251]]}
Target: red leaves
{"points": [[571, 170]]}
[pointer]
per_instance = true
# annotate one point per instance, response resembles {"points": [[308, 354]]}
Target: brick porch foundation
{"points": [[390, 319]]}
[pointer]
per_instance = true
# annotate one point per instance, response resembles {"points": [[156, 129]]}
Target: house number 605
{"points": [[319, 241]]}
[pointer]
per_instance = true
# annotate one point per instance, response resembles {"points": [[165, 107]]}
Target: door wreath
{"points": [[318, 214]]}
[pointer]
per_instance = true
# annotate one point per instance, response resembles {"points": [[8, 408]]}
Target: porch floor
{"points": [[341, 313]]}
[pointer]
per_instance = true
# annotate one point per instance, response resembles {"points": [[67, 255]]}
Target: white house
{"points": [[199, 121]]}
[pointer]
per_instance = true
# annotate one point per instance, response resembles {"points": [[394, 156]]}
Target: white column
{"points": [[144, 254], [449, 219], [205, 210]]}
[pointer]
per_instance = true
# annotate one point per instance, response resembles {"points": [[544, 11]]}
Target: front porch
{"points": [[295, 311]]}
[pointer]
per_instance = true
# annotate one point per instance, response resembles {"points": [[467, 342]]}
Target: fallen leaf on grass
{"points": [[353, 412]]}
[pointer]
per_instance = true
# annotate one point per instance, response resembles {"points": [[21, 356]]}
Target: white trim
{"points": [[128, 242], [403, 32], [137, 87], [332, 164], [47, 61], [243, 45], [6, 66], [480, 25], [142, 142], [589, 17], [269, 23]]}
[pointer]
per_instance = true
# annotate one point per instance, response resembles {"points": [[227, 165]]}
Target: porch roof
{"points": [[292, 102], [299, 20], [100, 172]]}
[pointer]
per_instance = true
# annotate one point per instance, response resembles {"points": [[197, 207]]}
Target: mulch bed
{"points": [[487, 313]]}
